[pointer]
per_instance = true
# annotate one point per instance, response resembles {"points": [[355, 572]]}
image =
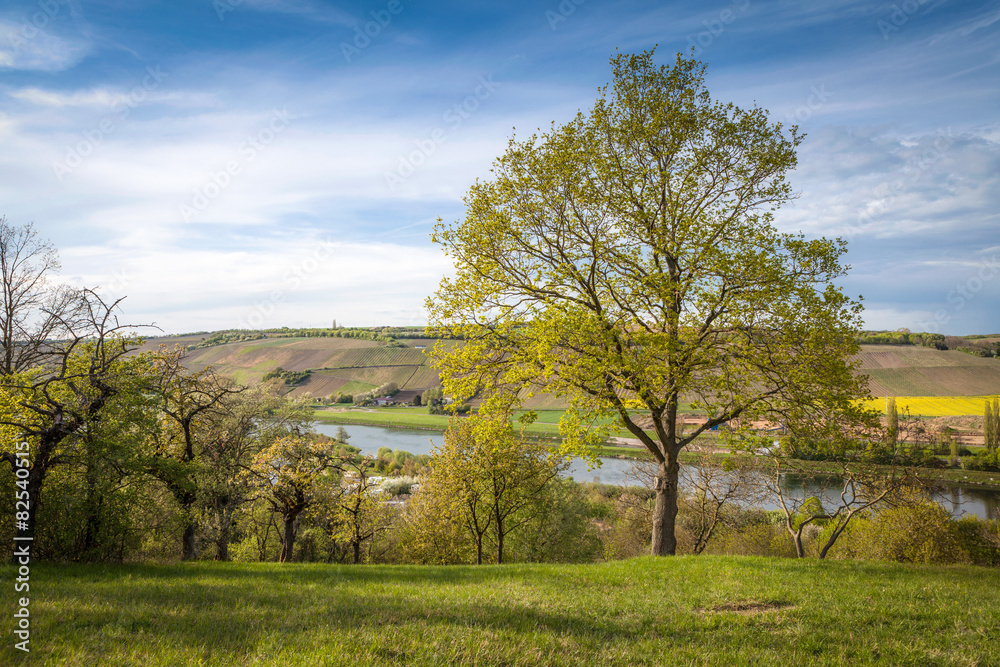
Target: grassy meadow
{"points": [[689, 610]]}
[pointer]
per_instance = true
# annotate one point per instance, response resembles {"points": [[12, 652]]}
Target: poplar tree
{"points": [[991, 424], [891, 422]]}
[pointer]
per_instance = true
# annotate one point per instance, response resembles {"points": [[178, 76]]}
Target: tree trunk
{"points": [[665, 512], [25, 525], [190, 527], [222, 543], [187, 541], [92, 523], [289, 542], [222, 549], [499, 540], [357, 551], [800, 552], [35, 478]]}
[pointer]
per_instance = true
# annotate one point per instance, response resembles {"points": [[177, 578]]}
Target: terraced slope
{"points": [[347, 365], [919, 371], [352, 365]]}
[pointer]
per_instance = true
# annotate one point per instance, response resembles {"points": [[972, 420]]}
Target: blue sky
{"points": [[268, 163]]}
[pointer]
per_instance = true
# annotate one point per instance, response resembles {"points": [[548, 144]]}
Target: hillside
{"points": [[908, 370], [352, 365], [346, 365]]}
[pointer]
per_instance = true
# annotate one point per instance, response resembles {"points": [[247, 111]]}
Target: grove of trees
{"points": [[626, 260]]}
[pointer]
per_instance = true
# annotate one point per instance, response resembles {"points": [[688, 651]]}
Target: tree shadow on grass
{"points": [[236, 609]]}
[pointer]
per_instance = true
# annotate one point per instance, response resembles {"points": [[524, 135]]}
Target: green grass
{"points": [[355, 387], [414, 418], [692, 610], [419, 418]]}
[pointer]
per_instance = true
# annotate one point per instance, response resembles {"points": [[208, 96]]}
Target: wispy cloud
{"points": [[874, 110], [26, 47]]}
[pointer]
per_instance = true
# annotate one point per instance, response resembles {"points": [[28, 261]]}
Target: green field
{"points": [[417, 418], [689, 610], [547, 425]]}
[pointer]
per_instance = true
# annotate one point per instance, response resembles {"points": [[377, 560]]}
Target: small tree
{"points": [[361, 512], [861, 488], [991, 424], [288, 474], [33, 311], [188, 401], [51, 407], [244, 424], [713, 490], [434, 400], [891, 422], [494, 478]]}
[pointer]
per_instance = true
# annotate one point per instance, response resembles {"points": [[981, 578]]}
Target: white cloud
{"points": [[880, 183], [294, 282], [109, 97], [27, 47], [312, 10], [97, 97]]}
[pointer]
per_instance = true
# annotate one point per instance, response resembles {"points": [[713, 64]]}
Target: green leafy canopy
{"points": [[628, 260]]}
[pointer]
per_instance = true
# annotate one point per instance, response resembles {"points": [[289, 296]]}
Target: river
{"points": [[984, 503]]}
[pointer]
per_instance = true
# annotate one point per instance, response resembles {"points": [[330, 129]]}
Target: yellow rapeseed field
{"points": [[936, 406]]}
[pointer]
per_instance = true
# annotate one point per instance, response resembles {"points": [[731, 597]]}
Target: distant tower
{"points": [[334, 324]]}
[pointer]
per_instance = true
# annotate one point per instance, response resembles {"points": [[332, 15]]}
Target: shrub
{"points": [[757, 539], [631, 525], [980, 539], [563, 533], [290, 378], [920, 533], [985, 461], [386, 389], [398, 486]]}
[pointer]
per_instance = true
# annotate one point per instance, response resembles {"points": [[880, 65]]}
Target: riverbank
{"points": [[416, 418], [546, 432]]}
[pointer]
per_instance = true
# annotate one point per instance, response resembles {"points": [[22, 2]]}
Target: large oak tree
{"points": [[628, 260]]}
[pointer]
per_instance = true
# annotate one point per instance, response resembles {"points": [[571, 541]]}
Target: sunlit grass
{"points": [[707, 610]]}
